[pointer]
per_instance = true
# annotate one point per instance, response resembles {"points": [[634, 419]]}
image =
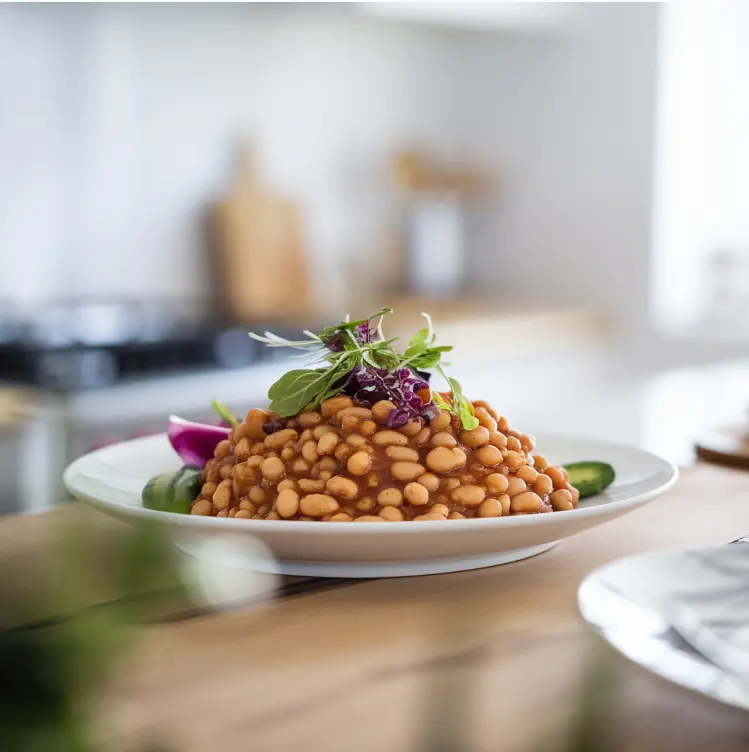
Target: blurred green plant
{"points": [[51, 669]]}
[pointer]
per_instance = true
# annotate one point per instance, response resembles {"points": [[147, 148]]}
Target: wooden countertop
{"points": [[406, 664]]}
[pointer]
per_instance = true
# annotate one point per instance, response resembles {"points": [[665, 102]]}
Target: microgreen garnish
{"points": [[224, 412], [354, 358]]}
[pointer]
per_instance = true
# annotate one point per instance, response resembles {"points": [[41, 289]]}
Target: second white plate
{"points": [[111, 479]]}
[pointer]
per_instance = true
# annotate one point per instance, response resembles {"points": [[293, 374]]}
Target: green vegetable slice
{"points": [[590, 478], [173, 492]]}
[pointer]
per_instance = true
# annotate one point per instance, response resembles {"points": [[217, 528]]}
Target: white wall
{"points": [[152, 98]]}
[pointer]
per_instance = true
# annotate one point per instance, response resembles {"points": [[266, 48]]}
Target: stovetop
{"points": [[76, 345]]}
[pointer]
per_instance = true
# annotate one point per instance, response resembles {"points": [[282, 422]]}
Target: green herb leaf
{"points": [[297, 389], [224, 412], [430, 357], [418, 344], [462, 407]]}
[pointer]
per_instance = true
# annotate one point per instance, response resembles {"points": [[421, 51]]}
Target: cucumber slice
{"points": [[173, 492], [590, 478]]}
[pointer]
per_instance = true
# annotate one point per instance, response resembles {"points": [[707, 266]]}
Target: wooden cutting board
{"points": [[261, 256]]}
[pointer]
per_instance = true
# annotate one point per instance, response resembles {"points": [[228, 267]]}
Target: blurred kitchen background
{"points": [[561, 185]]}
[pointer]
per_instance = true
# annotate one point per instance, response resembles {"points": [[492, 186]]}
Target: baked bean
{"points": [[204, 508], [208, 489], [226, 472], [515, 486], [475, 438], [440, 422], [451, 484], [242, 450], [345, 488], [368, 427], [342, 451], [279, 438], [428, 517], [238, 433], [488, 455], [263, 510], [363, 413], [416, 493], [486, 406], [341, 517], [527, 443], [211, 471], [258, 447], [525, 503], [373, 480], [381, 410], [558, 476], [318, 505], [561, 500], [540, 462], [456, 516], [273, 469], [257, 494], [365, 504], [359, 463], [485, 419], [356, 440], [233, 512], [443, 460], [222, 495], [325, 474], [490, 508], [439, 509], [319, 431], [304, 518], [311, 486], [444, 439], [543, 485], [248, 506], [245, 476], [422, 437], [255, 421], [429, 480], [255, 461], [223, 449], [331, 406], [402, 453], [309, 451], [257, 517], [273, 515], [496, 483], [300, 467], [306, 436], [350, 423], [390, 497], [469, 496], [310, 419], [368, 518], [406, 471], [514, 445], [514, 460], [222, 513], [328, 463], [503, 425], [575, 494], [287, 453], [412, 427], [498, 440], [287, 503], [391, 514], [527, 473], [327, 443], [504, 500], [243, 514], [388, 437]]}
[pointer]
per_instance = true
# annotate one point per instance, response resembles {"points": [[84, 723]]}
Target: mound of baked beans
{"points": [[342, 463]]}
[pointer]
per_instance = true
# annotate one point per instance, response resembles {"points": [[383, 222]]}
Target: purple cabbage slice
{"points": [[194, 442]]}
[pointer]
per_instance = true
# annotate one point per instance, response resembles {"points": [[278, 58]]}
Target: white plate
{"points": [[111, 479], [630, 603]]}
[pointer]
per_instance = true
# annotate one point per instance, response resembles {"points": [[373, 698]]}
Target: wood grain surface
{"points": [[494, 659]]}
